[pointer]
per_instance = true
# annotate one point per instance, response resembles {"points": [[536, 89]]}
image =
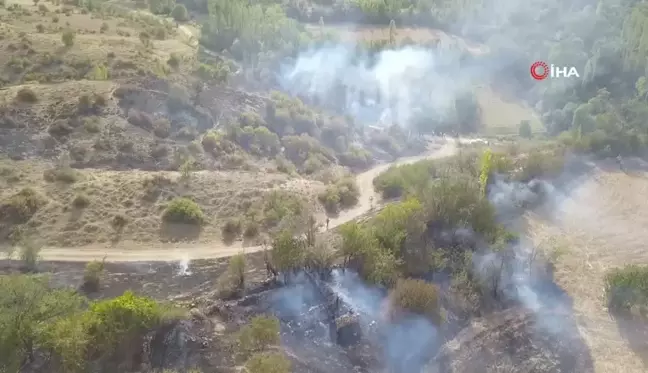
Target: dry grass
{"points": [[602, 226], [139, 197], [100, 39], [502, 117]]}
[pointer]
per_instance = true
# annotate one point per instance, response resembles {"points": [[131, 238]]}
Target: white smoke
{"points": [[392, 86]]}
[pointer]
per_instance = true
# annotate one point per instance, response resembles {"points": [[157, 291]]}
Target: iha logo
{"points": [[541, 70]]}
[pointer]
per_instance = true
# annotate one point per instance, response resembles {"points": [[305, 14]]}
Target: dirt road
{"points": [[131, 252]]}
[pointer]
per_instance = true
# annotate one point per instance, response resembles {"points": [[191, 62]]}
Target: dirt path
{"points": [[601, 226], [130, 252]]}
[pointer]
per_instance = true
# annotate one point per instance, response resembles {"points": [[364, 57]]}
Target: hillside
{"points": [[321, 186], [108, 128]]}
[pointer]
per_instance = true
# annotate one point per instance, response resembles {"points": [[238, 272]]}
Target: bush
{"points": [[179, 13], [119, 221], [91, 125], [268, 362], [524, 129], [26, 95], [60, 128], [397, 180], [40, 28], [174, 61], [418, 297], [29, 254], [68, 38], [251, 230], [21, 206], [92, 275], [343, 194], [183, 210], [104, 27], [162, 128], [232, 282], [627, 287], [66, 175], [232, 228], [116, 321], [81, 201], [140, 119], [261, 333], [278, 206]]}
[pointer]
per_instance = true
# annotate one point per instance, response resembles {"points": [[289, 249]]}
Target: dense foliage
{"points": [[36, 320]]}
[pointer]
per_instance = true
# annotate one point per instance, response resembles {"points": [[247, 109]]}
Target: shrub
{"points": [[344, 193], [119, 221], [232, 228], [232, 282], [115, 321], [179, 13], [183, 210], [40, 28], [81, 201], [174, 61], [251, 230], [279, 206], [268, 362], [60, 128], [29, 254], [104, 27], [92, 275], [140, 119], [397, 180], [524, 129], [26, 95], [261, 333], [21, 206], [63, 174], [418, 297], [91, 125], [627, 287], [330, 199], [68, 38], [162, 128]]}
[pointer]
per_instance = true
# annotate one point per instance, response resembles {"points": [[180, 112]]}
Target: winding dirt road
{"points": [[132, 252]]}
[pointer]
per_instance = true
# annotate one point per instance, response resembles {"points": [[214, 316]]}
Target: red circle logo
{"points": [[539, 70]]}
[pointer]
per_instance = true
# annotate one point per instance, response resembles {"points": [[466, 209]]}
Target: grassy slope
{"points": [[39, 61]]}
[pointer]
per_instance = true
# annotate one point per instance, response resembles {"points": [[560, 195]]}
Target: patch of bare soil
{"points": [[600, 225]]}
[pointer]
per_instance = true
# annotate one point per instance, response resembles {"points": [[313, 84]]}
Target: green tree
{"points": [[161, 6], [179, 13], [287, 252], [28, 308], [524, 129]]}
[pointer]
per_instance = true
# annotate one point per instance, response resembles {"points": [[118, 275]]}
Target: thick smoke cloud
{"points": [[392, 86]]}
